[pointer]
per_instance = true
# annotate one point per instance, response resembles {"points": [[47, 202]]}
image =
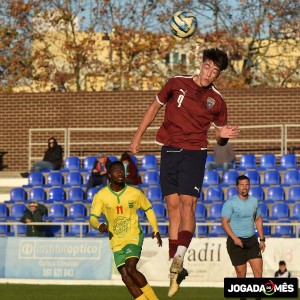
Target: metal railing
{"points": [[64, 225], [71, 142]]}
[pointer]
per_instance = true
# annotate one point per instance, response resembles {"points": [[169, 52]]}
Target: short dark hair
{"points": [[219, 57], [116, 162], [241, 177], [282, 263]]}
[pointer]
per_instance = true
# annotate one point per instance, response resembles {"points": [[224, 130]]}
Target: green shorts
{"points": [[128, 251]]}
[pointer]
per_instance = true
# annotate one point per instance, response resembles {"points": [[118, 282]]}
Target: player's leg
{"points": [[170, 157], [133, 289], [254, 256], [139, 278], [241, 271]]}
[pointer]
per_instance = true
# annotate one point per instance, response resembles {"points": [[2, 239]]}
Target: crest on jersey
{"points": [[210, 102], [130, 204]]}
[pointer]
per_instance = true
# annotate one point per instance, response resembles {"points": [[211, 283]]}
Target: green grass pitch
{"points": [[89, 292]]}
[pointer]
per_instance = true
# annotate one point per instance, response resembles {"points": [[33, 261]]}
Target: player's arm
{"points": [[148, 118], [223, 134], [96, 210], [259, 227], [153, 222], [226, 226]]}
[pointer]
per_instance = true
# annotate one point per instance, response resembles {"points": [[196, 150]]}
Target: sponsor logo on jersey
{"points": [[210, 102]]}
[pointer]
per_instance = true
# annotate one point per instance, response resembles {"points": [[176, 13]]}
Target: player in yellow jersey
{"points": [[119, 203]]}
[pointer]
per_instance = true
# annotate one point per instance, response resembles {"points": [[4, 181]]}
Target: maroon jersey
{"points": [[190, 111]]}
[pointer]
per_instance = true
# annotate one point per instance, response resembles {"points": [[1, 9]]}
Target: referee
{"points": [[239, 215]]}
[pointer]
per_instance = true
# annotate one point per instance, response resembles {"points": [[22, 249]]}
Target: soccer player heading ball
{"points": [[193, 104], [119, 203]]}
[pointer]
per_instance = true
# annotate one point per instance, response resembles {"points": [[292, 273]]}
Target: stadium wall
{"points": [[20, 112]]}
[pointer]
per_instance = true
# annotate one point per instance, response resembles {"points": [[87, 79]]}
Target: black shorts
{"points": [[240, 256], [182, 171]]}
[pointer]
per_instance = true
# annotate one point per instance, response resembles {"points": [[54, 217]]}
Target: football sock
{"points": [[142, 297], [173, 244], [149, 292], [181, 251], [184, 238]]}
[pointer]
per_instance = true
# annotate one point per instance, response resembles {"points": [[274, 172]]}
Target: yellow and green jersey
{"points": [[120, 210]]}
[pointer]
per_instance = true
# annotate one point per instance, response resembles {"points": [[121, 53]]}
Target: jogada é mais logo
{"points": [[261, 287]]}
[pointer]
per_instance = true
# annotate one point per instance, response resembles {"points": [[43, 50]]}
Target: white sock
{"points": [[181, 250]]}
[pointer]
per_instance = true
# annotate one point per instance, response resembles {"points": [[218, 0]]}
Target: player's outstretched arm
{"points": [[158, 237], [148, 118]]}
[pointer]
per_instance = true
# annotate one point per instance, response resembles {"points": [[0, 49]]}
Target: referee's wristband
{"points": [[262, 240]]}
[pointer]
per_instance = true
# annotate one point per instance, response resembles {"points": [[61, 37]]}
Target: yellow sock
{"points": [[142, 297], [149, 293]]}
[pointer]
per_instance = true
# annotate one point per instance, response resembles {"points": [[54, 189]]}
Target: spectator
{"points": [[282, 272], [131, 171], [224, 157], [35, 213], [53, 158], [99, 172]]}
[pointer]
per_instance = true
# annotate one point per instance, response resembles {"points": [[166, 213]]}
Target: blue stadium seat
{"points": [[217, 230], [211, 178], [154, 194], [16, 211], [291, 177], [76, 211], [209, 158], [247, 161], [267, 229], [253, 176], [71, 163], [275, 194], [200, 211], [54, 179], [74, 230], [257, 192], [17, 194], [267, 161], [280, 211], [288, 161], [55, 230], [264, 210], [148, 162], [3, 211], [201, 230], [75, 194], [201, 196], [35, 179], [160, 211], [37, 194], [283, 231], [4, 229], [73, 179], [56, 211], [88, 163], [141, 214], [272, 177], [215, 211], [229, 178], [214, 194], [56, 194], [86, 178], [296, 212], [150, 178], [91, 193], [112, 158], [294, 194], [17, 230], [231, 191]]}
